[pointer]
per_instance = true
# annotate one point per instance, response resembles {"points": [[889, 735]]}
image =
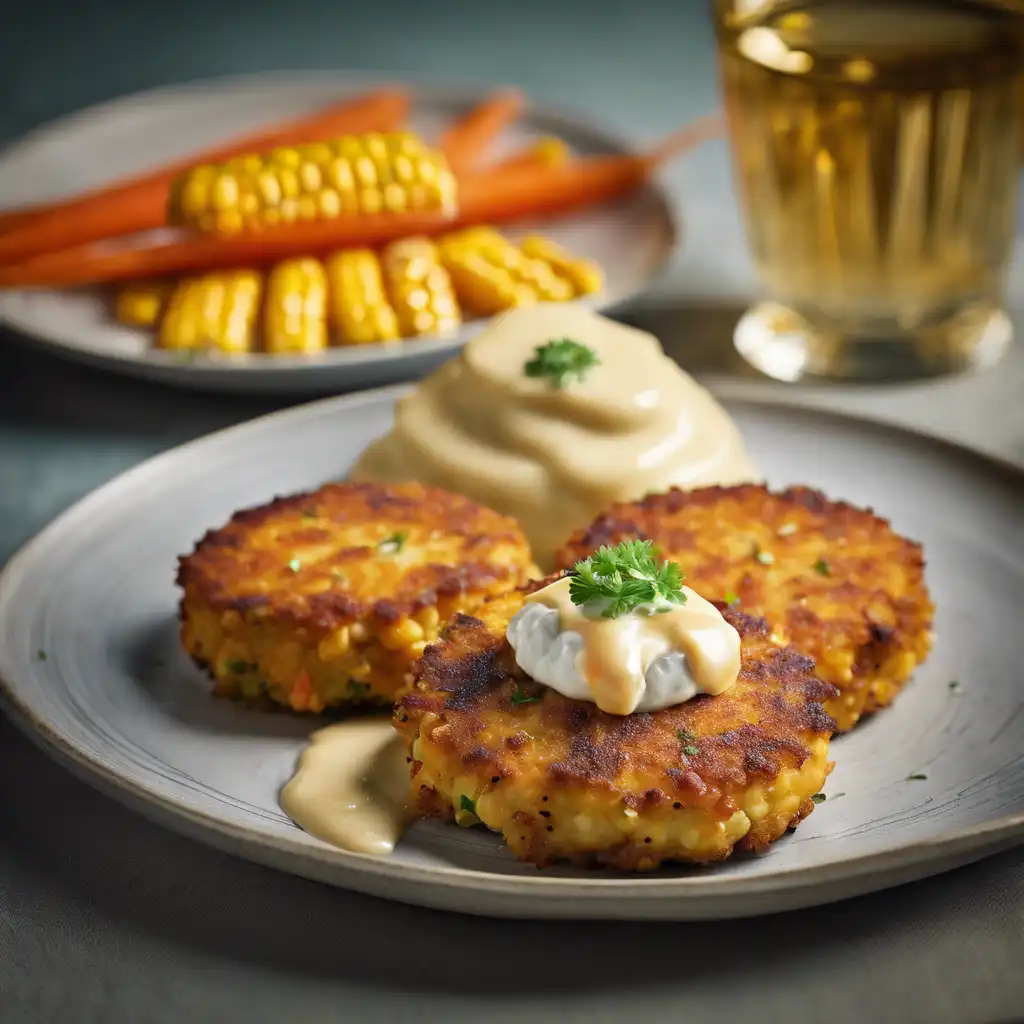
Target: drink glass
{"points": [[875, 155]]}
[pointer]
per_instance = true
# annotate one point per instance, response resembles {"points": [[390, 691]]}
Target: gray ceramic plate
{"points": [[632, 239], [92, 669]]}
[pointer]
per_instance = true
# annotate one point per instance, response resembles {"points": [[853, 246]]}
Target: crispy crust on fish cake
{"points": [[564, 781], [833, 580], [328, 598]]}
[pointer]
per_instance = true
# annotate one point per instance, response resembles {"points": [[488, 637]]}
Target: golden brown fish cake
{"points": [[327, 599], [564, 781], [833, 580]]}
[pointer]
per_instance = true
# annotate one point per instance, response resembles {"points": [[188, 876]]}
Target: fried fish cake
{"points": [[833, 580], [566, 782], [327, 599]]}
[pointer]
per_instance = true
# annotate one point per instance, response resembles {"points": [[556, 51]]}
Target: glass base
{"points": [[781, 344]]}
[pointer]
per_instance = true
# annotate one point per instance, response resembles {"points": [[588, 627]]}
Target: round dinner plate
{"points": [[632, 239], [92, 669]]}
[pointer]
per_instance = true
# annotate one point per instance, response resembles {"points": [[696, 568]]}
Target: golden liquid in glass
{"points": [[875, 145]]}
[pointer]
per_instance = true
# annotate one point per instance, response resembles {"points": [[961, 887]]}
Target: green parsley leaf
{"points": [[238, 666], [818, 798], [561, 359], [731, 597], [41, 654], [822, 568], [954, 685], [690, 749], [465, 804], [685, 736], [520, 696], [621, 578], [393, 543], [916, 776], [295, 565]]}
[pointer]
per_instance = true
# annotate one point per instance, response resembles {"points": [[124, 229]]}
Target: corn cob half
{"points": [[295, 309], [352, 175], [360, 312], [218, 311], [492, 274], [585, 276], [420, 288], [140, 303]]}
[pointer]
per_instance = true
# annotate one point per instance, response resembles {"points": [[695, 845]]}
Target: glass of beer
{"points": [[875, 152]]}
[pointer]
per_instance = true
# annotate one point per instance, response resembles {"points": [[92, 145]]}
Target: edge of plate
{"points": [[690, 897]]}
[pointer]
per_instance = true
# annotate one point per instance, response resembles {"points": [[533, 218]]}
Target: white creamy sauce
{"points": [[550, 457], [645, 660]]}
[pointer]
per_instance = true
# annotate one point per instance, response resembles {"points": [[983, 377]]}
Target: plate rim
{"points": [[702, 888], [423, 87]]}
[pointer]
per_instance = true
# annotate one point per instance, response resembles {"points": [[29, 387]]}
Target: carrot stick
{"points": [[466, 141], [493, 197], [139, 204]]}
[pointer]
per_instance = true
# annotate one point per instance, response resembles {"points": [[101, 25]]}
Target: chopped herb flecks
{"points": [[561, 359], [822, 568], [295, 565], [954, 685], [916, 776], [393, 543], [731, 597], [520, 696], [41, 654], [818, 798], [465, 804], [691, 749], [238, 666]]}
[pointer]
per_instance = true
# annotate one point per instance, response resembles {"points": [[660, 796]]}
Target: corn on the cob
{"points": [[420, 289], [214, 311], [585, 276], [140, 303], [352, 175], [491, 274], [295, 308], [359, 308]]}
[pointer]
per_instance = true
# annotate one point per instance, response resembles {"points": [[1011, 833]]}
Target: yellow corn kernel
{"points": [[585, 276], [216, 311], [140, 303], [335, 645], [366, 173], [295, 317], [360, 312], [420, 289], [401, 634]]}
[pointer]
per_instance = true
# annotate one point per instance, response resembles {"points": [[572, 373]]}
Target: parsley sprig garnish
{"points": [[621, 578], [561, 359]]}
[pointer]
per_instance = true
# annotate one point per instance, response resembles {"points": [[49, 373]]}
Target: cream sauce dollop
{"points": [[351, 786], [651, 658], [554, 457]]}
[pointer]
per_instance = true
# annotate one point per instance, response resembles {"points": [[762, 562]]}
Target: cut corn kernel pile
{"points": [[412, 288], [370, 173]]}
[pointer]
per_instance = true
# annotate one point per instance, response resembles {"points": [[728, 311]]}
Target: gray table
{"points": [[104, 917]]}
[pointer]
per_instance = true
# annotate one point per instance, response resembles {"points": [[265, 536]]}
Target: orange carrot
{"points": [[465, 142], [494, 197], [139, 204]]}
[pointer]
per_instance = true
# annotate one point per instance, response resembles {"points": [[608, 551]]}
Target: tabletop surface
{"points": [[105, 917]]}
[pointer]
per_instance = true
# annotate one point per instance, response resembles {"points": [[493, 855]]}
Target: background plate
{"points": [[632, 239], [90, 659]]}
